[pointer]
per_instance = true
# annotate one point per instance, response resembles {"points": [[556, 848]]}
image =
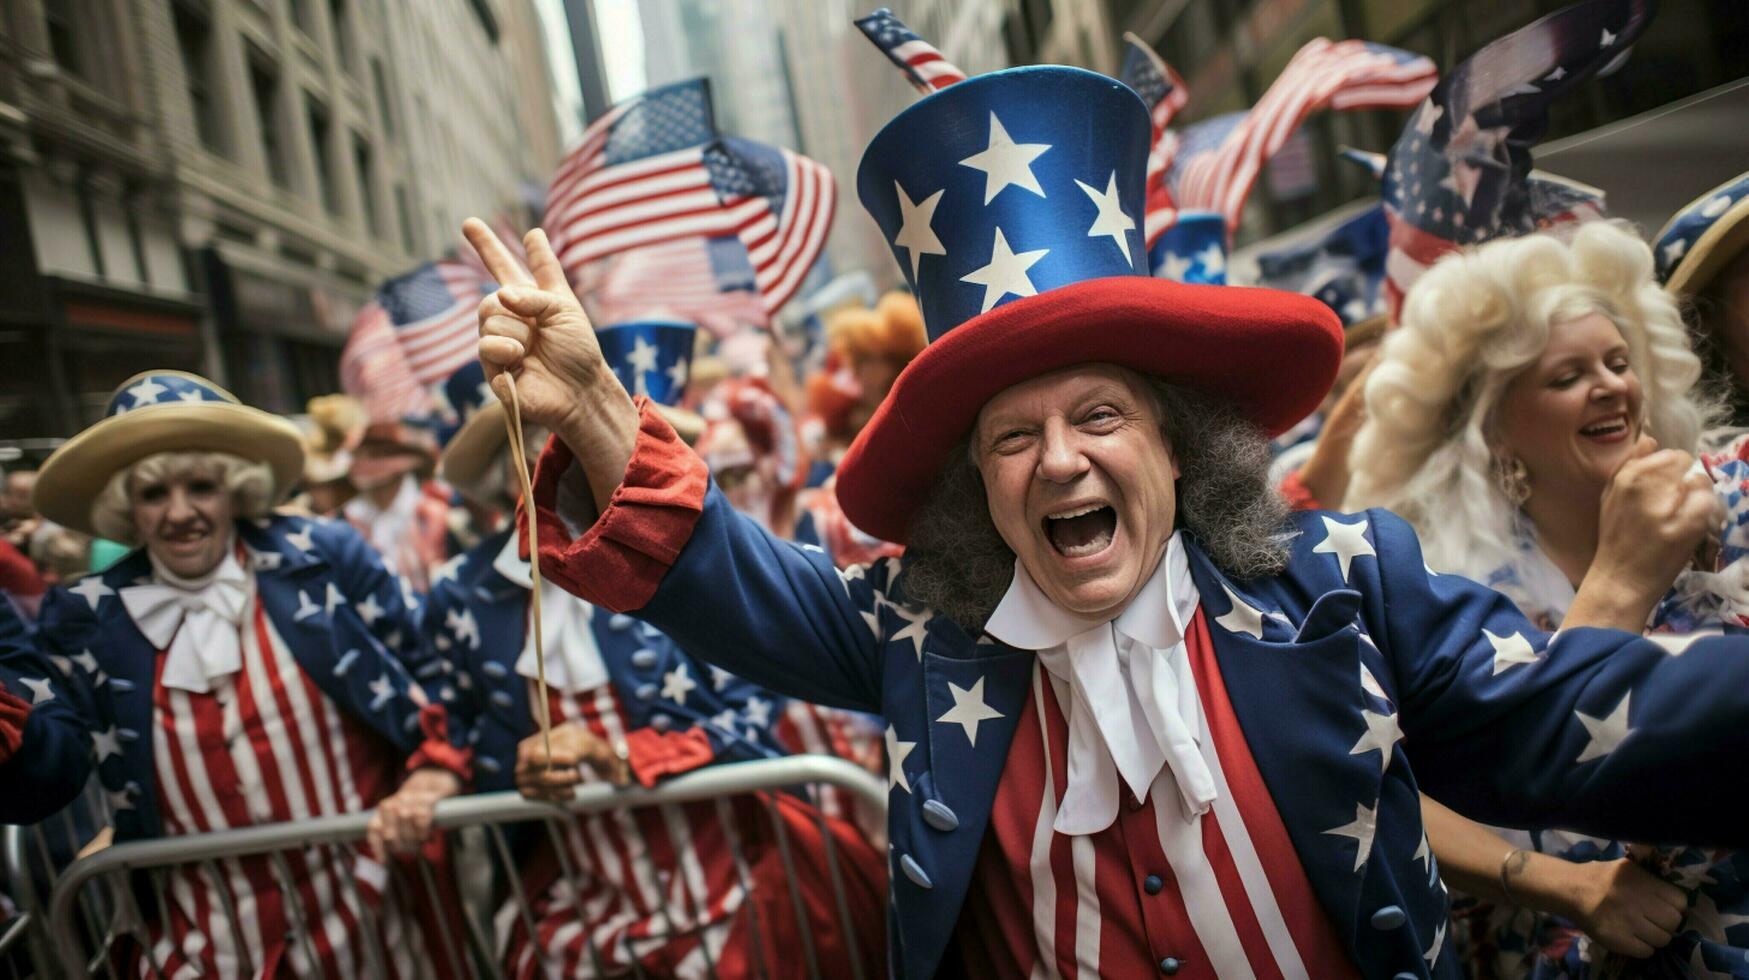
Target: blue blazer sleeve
{"points": [[775, 613], [1593, 730], [54, 760]]}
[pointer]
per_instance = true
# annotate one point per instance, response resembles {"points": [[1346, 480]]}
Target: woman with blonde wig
{"points": [[1534, 418]]}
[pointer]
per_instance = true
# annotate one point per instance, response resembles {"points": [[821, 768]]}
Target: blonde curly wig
{"points": [[250, 483], [1469, 325]]}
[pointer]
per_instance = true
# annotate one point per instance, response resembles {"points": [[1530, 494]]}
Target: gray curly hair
{"points": [[957, 563]]}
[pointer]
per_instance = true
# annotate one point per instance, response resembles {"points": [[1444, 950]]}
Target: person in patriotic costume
{"points": [[1703, 257], [626, 702], [1077, 464], [238, 668]]}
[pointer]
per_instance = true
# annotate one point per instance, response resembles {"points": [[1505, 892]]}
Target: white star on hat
{"points": [[1510, 651], [641, 359], [146, 392], [915, 232], [1006, 273], [677, 375], [1005, 162], [896, 753], [1606, 732], [1346, 541], [968, 709], [1175, 266], [1110, 221], [1212, 258]]}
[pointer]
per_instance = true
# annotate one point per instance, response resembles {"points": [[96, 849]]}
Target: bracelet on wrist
{"points": [[1517, 854]]}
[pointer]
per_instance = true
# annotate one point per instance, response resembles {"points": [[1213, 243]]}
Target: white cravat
{"points": [[573, 660], [196, 619], [1134, 707]]}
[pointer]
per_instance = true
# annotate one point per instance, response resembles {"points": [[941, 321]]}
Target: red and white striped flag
{"points": [[925, 67], [374, 370], [703, 280], [1324, 74]]}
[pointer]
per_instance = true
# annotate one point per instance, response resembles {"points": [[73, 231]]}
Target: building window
{"points": [[264, 85], [404, 216], [384, 107], [303, 16], [63, 38], [326, 187], [361, 158], [194, 40], [342, 33]]}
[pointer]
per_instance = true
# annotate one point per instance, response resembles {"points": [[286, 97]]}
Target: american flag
{"points": [[1215, 163], [414, 333], [922, 64], [654, 171], [1161, 89], [1459, 172], [374, 370], [708, 281]]}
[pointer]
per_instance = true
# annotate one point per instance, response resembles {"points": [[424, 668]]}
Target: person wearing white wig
{"points": [[238, 668], [1534, 418]]}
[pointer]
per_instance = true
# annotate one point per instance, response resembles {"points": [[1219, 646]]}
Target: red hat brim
{"points": [[1273, 354]]}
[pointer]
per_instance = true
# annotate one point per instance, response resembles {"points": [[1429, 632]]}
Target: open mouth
{"points": [[1612, 429], [1081, 531]]}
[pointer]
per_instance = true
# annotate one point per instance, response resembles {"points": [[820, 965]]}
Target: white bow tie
{"points": [[1134, 707], [196, 621], [574, 661]]}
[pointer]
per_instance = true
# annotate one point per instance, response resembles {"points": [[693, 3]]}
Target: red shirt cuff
{"points": [[14, 712], [653, 754], [1293, 489], [436, 750], [618, 562]]}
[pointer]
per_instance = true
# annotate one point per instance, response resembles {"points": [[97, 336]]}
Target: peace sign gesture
{"points": [[535, 335]]}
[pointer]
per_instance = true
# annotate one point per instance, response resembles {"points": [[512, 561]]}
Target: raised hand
{"points": [[535, 335]]}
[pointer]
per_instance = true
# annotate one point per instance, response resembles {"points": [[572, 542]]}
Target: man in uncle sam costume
{"points": [[238, 668], [626, 702], [1133, 726]]}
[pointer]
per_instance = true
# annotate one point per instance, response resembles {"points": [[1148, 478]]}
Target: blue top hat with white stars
{"points": [[156, 412], [1704, 236], [1194, 249], [654, 358], [650, 357], [1013, 202]]}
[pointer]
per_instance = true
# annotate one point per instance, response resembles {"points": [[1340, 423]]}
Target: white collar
{"points": [[1133, 708], [196, 621], [1027, 619], [574, 661]]}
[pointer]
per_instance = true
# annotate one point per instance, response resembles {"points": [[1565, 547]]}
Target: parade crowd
{"points": [[1381, 617]]}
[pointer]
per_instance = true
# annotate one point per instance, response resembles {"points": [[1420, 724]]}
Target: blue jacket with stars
{"points": [[475, 625], [90, 672], [1594, 730]]}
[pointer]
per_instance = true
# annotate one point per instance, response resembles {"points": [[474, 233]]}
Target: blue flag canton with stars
{"points": [[1142, 73], [166, 388], [1459, 170], [417, 295], [663, 120], [1008, 185], [1345, 269], [743, 168], [651, 357]]}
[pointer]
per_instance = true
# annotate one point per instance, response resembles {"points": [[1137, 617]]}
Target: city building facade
{"points": [[218, 185]]}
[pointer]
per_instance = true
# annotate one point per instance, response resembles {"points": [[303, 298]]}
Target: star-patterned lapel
{"points": [[125, 671], [1299, 698]]}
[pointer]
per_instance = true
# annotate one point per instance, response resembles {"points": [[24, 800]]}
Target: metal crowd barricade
{"points": [[34, 857], [97, 901]]}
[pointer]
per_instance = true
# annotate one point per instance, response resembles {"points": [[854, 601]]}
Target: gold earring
{"points": [[1515, 481]]}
